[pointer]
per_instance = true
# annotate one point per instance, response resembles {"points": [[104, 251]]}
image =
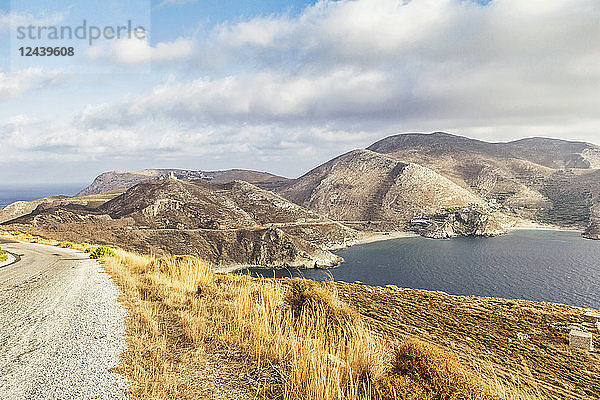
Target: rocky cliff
{"points": [[593, 230], [462, 223]]}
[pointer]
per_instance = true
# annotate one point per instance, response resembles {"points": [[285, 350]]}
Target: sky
{"points": [[284, 86]]}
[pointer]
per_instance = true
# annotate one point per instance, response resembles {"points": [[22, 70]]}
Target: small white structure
{"points": [[581, 340], [591, 317]]}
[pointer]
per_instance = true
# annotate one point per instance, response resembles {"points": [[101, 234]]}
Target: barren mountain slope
{"points": [[551, 153], [199, 204], [549, 180], [20, 208], [366, 186], [228, 224]]}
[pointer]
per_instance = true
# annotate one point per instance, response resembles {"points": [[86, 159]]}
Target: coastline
{"points": [[372, 237], [530, 225]]}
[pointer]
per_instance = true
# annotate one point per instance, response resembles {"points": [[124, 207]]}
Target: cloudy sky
{"points": [[284, 86]]}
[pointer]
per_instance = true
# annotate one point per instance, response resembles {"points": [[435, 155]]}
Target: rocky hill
{"points": [[548, 180], [230, 224], [20, 208], [369, 189], [177, 204], [116, 180], [550, 153]]}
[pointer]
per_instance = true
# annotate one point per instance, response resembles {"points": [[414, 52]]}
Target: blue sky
{"points": [[284, 86]]}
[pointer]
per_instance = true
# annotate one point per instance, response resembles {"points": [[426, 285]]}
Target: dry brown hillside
{"points": [[549, 180], [363, 185], [230, 224]]}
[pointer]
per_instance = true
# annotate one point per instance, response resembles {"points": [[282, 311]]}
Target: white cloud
{"points": [[262, 97], [387, 60], [133, 51], [16, 84], [345, 73], [165, 3]]}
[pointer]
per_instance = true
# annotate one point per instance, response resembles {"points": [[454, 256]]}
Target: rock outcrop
{"points": [[461, 223]]}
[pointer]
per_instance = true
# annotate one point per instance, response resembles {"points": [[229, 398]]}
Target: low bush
{"points": [[424, 371], [100, 252], [66, 245], [3, 256]]}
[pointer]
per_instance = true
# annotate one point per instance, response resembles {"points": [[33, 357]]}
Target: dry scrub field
{"points": [[194, 333]]}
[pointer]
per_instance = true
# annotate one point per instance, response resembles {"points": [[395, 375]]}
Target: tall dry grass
{"points": [[320, 347]]}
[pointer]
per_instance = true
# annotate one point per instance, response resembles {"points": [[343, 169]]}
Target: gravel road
{"points": [[61, 327]]}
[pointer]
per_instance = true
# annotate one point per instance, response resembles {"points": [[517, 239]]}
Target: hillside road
{"points": [[61, 327]]}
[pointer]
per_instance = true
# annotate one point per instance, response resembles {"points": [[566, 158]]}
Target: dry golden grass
{"points": [[424, 371], [313, 345]]}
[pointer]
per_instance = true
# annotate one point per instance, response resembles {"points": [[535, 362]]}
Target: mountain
{"points": [[550, 153], [115, 180], [22, 208], [198, 204], [548, 180], [370, 190], [230, 224]]}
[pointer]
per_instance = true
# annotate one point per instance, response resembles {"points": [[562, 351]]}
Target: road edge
{"points": [[12, 258]]}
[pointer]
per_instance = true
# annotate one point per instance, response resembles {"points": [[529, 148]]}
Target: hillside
{"points": [[368, 189], [229, 224], [548, 180], [115, 180], [20, 208], [296, 339]]}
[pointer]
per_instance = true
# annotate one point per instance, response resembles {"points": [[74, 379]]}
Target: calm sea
{"points": [[10, 194], [559, 267]]}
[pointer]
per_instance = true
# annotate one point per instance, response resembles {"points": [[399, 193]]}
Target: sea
{"points": [[11, 194], [540, 265]]}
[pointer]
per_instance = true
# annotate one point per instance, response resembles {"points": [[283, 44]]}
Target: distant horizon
{"points": [[25, 184]]}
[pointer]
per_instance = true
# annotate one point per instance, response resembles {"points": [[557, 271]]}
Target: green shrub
{"points": [[100, 251], [66, 245], [3, 256]]}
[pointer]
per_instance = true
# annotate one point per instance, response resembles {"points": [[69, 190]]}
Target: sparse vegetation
{"points": [[100, 252], [424, 371], [294, 339], [3, 256], [66, 245]]}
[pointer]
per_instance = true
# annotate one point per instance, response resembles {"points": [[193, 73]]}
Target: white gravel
{"points": [[61, 327]]}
